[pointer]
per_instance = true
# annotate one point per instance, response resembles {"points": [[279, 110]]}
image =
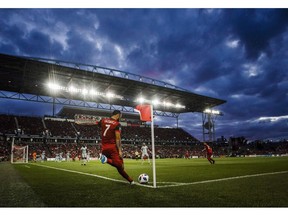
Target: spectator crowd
{"points": [[58, 135]]}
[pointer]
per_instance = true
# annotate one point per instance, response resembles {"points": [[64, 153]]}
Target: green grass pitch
{"points": [[231, 182]]}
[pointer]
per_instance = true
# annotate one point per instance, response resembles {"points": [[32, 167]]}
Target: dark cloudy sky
{"points": [[239, 55]]}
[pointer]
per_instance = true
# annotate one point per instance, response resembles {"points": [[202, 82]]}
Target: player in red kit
{"points": [[111, 143], [209, 153], [187, 155]]}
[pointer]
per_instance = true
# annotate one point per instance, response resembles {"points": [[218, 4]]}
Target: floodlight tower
{"points": [[208, 124]]}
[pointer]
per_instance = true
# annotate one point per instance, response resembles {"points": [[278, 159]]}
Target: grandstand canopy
{"points": [[31, 76]]}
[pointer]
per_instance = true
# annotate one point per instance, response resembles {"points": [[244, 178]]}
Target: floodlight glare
{"points": [[84, 91], [141, 100], [110, 95], [92, 92], [168, 104], [207, 111], [53, 86], [155, 102], [215, 112], [72, 89]]}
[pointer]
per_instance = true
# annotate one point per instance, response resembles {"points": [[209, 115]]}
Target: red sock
{"points": [[120, 169], [124, 174]]}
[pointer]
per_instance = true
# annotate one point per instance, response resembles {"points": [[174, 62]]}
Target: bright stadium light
{"points": [[141, 100], [179, 106], [168, 104], [72, 89], [210, 111], [84, 91], [155, 102], [51, 85], [110, 95], [92, 92], [54, 86]]}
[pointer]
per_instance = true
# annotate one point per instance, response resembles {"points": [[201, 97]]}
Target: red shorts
{"points": [[111, 152]]}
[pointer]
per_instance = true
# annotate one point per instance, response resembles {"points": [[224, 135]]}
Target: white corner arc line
{"points": [[89, 174], [223, 179]]}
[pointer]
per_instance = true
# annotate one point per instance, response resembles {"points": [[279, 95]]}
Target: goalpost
{"points": [[19, 154]]}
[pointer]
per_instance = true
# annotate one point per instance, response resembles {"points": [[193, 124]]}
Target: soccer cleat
{"points": [[132, 183], [103, 159]]}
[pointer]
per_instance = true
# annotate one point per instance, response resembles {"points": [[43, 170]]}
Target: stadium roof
{"points": [[31, 76]]}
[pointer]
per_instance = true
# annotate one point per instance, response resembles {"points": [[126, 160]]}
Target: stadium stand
{"points": [[60, 128], [55, 135], [30, 125], [8, 124]]}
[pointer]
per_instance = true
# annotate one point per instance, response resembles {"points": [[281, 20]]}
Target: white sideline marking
{"points": [[223, 179], [89, 174], [172, 184]]}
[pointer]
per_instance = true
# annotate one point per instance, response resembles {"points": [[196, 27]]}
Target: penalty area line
{"points": [[89, 174], [223, 179]]}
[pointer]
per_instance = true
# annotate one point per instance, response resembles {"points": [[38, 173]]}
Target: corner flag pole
{"points": [[153, 147]]}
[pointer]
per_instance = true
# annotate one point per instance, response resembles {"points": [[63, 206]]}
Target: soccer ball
{"points": [[143, 178]]}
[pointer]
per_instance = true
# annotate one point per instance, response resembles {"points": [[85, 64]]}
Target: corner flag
{"points": [[146, 114]]}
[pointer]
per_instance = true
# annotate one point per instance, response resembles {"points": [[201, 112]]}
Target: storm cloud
{"points": [[239, 55]]}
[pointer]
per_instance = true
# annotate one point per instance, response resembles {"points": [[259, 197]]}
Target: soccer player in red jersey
{"points": [[34, 156], [209, 153], [187, 155], [111, 143]]}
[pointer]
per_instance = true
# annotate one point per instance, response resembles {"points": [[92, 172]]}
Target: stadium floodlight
{"points": [[110, 95], [84, 91], [155, 102], [180, 106], [168, 104], [72, 89], [92, 92], [141, 100], [53, 86], [214, 112]]}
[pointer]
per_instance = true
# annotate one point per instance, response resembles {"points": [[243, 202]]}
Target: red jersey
{"points": [[108, 128], [208, 149]]}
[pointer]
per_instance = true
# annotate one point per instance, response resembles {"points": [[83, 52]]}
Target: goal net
{"points": [[19, 154]]}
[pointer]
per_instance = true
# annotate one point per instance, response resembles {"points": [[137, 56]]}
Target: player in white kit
{"points": [[60, 156], [84, 155], [68, 156], [43, 156], [144, 150]]}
